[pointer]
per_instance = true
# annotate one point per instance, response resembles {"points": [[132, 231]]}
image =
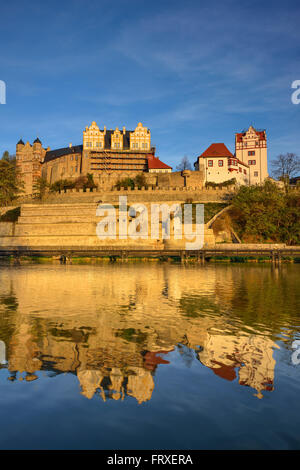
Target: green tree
{"points": [[61, 185], [6, 156], [125, 183], [85, 182], [140, 180], [90, 181], [267, 214], [10, 183], [40, 188]]}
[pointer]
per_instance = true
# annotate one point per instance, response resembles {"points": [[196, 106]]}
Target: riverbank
{"points": [[176, 258]]}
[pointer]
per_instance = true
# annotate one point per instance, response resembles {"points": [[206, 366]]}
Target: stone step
{"points": [[52, 219], [44, 229], [56, 210], [61, 242]]}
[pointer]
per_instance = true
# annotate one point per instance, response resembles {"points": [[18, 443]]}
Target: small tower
{"points": [[251, 148], [19, 149], [37, 149]]}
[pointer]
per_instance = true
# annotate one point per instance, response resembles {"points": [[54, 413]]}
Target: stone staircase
{"points": [[72, 225]]}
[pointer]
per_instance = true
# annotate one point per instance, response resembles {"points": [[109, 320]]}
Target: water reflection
{"points": [[113, 326]]}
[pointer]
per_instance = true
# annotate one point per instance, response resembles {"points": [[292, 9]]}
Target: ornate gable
{"points": [[117, 139], [93, 138], [140, 139]]}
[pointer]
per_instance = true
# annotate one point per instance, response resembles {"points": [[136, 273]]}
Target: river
{"points": [[145, 356]]}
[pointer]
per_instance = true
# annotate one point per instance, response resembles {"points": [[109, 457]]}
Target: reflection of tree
{"points": [[132, 335], [9, 302], [8, 306], [196, 306]]}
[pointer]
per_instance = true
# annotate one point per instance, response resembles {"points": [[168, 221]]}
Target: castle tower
{"points": [[251, 148], [29, 159], [38, 157]]}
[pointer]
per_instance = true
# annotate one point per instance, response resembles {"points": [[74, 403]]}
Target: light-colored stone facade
{"points": [[219, 165], [114, 155], [108, 155], [251, 148]]}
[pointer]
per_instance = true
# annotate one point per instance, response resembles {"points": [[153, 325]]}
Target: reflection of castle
{"points": [[251, 355], [121, 322]]}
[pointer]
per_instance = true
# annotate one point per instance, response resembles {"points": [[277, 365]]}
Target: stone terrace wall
{"points": [[175, 194]]}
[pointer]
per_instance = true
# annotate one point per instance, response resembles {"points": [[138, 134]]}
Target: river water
{"points": [[145, 356]]}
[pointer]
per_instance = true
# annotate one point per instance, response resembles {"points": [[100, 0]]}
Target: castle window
{"points": [[251, 154], [245, 172], [256, 173], [220, 162], [210, 163], [240, 169], [251, 162]]}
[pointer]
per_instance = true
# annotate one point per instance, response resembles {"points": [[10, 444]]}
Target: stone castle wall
{"points": [[156, 194]]}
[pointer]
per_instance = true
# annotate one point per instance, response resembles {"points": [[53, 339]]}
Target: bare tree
{"points": [[285, 166], [184, 164]]}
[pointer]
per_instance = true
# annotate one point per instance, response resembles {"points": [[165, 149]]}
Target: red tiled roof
{"points": [[154, 163], [217, 150]]}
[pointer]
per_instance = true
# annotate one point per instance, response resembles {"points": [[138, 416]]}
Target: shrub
{"points": [[62, 185], [267, 214], [227, 183], [125, 183]]}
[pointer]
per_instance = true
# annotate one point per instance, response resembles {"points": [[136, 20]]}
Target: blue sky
{"points": [[194, 72]]}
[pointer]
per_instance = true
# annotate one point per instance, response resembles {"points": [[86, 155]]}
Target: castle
{"points": [[248, 165], [112, 155], [105, 153]]}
